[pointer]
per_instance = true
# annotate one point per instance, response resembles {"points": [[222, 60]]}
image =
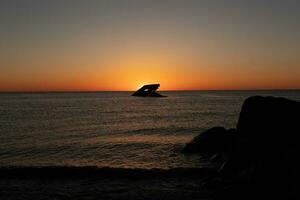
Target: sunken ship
{"points": [[148, 91]]}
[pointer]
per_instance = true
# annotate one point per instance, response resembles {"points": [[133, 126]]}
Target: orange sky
{"points": [[188, 45]]}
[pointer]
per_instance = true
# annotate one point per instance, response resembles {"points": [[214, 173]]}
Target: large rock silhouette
{"points": [[266, 153], [262, 160], [210, 141], [269, 119]]}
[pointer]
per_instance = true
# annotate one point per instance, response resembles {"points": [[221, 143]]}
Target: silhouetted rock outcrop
{"points": [[266, 153], [211, 141], [269, 120], [262, 159], [148, 91]]}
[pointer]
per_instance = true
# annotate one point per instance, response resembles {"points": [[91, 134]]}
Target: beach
{"points": [[105, 183], [111, 145]]}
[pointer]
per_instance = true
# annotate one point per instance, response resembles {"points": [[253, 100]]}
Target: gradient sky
{"points": [[122, 44]]}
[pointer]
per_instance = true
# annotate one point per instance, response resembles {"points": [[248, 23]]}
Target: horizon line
{"points": [[179, 90]]}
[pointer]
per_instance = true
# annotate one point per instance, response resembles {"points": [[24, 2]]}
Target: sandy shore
{"points": [[103, 183]]}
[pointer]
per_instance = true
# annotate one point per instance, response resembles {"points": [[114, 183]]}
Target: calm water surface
{"points": [[113, 129]]}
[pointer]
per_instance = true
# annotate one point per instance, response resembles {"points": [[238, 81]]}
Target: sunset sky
{"points": [[122, 44]]}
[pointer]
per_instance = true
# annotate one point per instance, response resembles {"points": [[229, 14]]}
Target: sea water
{"points": [[113, 129]]}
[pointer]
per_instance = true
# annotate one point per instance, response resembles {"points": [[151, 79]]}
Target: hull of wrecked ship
{"points": [[148, 91], [149, 95]]}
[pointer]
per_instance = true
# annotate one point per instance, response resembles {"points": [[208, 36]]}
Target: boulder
{"points": [[267, 130], [211, 141], [270, 121], [262, 155], [266, 153]]}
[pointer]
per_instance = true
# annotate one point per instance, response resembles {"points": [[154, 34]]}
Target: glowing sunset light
{"points": [[116, 45]]}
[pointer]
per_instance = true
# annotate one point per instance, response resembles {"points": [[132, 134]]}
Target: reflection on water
{"points": [[113, 128]]}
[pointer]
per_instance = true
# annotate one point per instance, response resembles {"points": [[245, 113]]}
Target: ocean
{"points": [[114, 129]]}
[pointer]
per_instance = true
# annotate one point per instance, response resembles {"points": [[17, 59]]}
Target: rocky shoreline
{"points": [[260, 157], [257, 159]]}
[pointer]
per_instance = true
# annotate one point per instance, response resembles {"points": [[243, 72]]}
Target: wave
{"points": [[73, 172]]}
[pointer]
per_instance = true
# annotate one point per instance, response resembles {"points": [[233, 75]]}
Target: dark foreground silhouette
{"points": [[258, 159], [102, 183], [148, 91]]}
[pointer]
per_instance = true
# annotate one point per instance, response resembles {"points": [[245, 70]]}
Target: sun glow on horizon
{"points": [[122, 45]]}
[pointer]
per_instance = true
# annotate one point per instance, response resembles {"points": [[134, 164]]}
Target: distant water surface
{"points": [[113, 129]]}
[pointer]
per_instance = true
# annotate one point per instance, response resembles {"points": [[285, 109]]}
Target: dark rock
{"points": [[268, 129], [270, 120], [265, 153], [211, 141], [261, 158]]}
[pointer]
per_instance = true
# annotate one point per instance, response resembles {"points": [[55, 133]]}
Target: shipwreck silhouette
{"points": [[148, 91]]}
